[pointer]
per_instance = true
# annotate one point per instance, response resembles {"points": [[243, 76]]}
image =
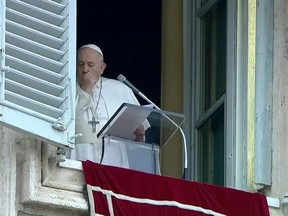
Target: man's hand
{"points": [[139, 133], [87, 82]]}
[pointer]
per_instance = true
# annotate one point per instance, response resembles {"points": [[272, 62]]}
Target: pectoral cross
{"points": [[93, 124]]}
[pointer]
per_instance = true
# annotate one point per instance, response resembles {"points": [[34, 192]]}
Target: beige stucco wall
{"points": [[280, 102], [172, 80]]}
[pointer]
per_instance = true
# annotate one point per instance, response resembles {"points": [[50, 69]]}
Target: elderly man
{"points": [[97, 99]]}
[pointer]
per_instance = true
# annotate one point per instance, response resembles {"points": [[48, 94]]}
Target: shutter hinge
{"points": [[59, 125], [5, 69]]}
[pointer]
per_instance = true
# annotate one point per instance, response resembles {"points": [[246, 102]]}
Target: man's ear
{"points": [[103, 66]]}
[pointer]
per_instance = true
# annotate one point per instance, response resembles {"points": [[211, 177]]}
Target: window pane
{"points": [[213, 54], [211, 149]]}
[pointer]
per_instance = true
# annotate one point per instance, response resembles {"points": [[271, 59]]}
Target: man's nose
{"points": [[85, 68]]}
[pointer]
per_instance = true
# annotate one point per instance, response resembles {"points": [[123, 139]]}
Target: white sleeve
{"points": [[83, 101]]}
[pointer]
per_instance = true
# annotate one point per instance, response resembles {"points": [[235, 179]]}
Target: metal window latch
{"points": [[75, 136]]}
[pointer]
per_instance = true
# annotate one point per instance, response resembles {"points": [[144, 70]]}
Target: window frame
{"points": [[191, 89]]}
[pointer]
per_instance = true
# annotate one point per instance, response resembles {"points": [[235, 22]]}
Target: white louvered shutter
{"points": [[38, 48]]}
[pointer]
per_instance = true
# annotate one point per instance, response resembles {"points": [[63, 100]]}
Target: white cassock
{"points": [[88, 146]]}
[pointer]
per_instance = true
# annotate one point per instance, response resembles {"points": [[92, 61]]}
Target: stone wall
{"points": [[32, 183]]}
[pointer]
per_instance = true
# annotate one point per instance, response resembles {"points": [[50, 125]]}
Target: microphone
{"points": [[123, 79]]}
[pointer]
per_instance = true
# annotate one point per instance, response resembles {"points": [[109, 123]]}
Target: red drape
{"points": [[122, 192]]}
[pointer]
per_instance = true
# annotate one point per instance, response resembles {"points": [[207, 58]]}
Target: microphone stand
{"points": [[184, 176]]}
